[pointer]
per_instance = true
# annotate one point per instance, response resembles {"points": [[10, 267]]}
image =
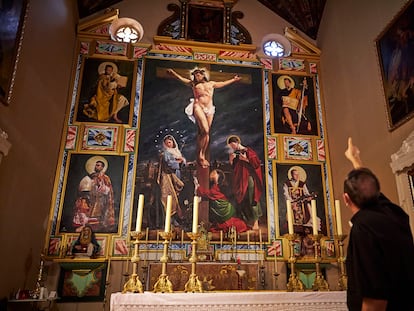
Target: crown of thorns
{"points": [[202, 71]]}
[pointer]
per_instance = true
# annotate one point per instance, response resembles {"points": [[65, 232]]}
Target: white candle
{"points": [[146, 235], [235, 236], [260, 239], [195, 214], [221, 238], [182, 238], [275, 262], [314, 218], [248, 239], [140, 211], [338, 217], [289, 216], [168, 214]]}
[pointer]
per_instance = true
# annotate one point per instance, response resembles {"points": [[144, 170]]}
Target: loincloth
{"points": [[189, 110]]}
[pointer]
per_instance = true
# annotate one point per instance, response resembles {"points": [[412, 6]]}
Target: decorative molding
{"points": [[303, 46], [204, 46], [401, 162], [97, 25], [403, 158]]}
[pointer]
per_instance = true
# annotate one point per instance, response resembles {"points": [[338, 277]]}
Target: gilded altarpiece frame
{"points": [[295, 88], [158, 102]]}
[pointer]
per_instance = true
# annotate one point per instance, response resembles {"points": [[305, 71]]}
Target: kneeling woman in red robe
{"points": [[222, 212]]}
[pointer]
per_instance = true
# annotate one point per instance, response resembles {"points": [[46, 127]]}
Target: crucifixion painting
{"points": [[188, 110]]}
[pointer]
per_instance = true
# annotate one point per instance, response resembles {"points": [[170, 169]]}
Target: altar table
{"points": [[230, 300]]}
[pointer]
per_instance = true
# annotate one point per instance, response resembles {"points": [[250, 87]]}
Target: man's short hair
{"points": [[362, 187], [99, 161]]}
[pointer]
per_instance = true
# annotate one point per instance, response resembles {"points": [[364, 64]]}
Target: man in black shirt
{"points": [[380, 258]]}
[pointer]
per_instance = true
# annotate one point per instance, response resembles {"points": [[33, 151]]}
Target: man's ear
{"points": [[347, 199]]}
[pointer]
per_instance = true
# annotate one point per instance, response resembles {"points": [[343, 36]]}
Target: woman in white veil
{"points": [[169, 174]]}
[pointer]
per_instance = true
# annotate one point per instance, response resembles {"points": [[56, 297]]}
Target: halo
{"points": [[302, 172], [101, 68], [90, 164], [281, 84], [231, 136]]}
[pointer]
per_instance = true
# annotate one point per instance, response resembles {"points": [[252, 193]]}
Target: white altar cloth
{"points": [[231, 300]]}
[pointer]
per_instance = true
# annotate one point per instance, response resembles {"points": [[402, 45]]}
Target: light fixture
{"points": [[126, 30], [276, 45]]}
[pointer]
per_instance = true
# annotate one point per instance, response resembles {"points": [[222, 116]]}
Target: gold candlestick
{"points": [[232, 237], [193, 284], [39, 281], [343, 278], [134, 285], [163, 284], [276, 273], [294, 283], [319, 284]]}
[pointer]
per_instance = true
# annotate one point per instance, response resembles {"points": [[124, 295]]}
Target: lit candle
{"points": [[140, 211], [195, 214], [168, 214], [289, 216], [221, 238], [338, 217], [314, 218]]}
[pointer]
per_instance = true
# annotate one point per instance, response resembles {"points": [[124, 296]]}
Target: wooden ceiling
{"points": [[305, 15]]}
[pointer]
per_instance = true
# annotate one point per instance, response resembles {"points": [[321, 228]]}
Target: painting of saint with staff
{"points": [[294, 109]]}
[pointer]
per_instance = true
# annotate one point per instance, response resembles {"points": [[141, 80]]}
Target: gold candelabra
{"points": [[163, 284], [134, 285], [319, 284], [232, 236], [294, 283], [343, 278], [193, 284], [37, 291]]}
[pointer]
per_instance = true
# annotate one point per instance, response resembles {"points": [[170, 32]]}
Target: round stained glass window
{"points": [[273, 48]]}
